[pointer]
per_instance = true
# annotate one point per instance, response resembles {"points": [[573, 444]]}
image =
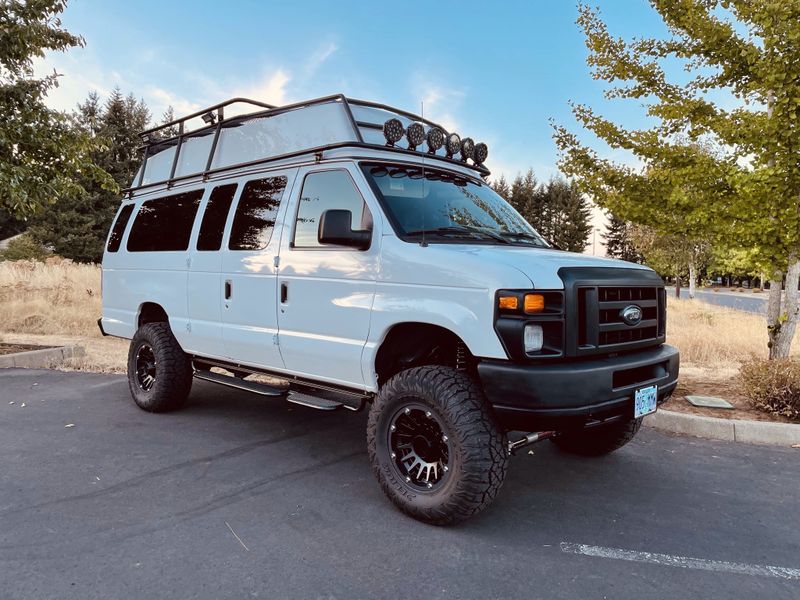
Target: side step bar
{"points": [[294, 396], [261, 389]]}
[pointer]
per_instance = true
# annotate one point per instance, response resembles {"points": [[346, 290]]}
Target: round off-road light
{"points": [[435, 139], [393, 131], [481, 153], [415, 134], [453, 144], [467, 149]]}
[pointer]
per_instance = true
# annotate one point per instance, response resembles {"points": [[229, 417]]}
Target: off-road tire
{"points": [[599, 441], [478, 458], [173, 379]]}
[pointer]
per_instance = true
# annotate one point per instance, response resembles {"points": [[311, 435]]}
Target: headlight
{"points": [[533, 338]]}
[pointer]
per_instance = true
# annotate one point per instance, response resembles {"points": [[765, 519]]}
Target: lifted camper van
{"points": [[355, 253]]}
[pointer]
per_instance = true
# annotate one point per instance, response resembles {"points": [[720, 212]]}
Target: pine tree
{"points": [[76, 226], [502, 188], [618, 240], [523, 197], [568, 215]]}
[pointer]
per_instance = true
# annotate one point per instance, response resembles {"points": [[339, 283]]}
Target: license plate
{"points": [[645, 401]]}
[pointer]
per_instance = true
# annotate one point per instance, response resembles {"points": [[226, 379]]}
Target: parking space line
{"points": [[683, 562]]}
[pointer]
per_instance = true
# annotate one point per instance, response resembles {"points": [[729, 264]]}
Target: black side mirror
{"points": [[334, 228]]}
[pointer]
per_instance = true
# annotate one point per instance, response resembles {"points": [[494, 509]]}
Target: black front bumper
{"points": [[571, 394]]}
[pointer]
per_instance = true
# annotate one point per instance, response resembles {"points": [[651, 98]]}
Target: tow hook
{"points": [[529, 439]]}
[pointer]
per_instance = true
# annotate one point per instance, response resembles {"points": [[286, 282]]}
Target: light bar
{"points": [[436, 138]]}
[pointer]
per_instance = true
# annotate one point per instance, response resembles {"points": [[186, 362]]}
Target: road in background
{"points": [[746, 301], [241, 497]]}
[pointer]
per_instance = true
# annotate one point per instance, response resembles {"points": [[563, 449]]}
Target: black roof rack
{"points": [[360, 132]]}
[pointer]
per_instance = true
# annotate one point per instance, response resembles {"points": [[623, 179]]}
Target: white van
{"points": [[354, 253]]}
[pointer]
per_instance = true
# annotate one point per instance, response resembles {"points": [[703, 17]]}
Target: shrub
{"points": [[773, 386], [24, 247]]}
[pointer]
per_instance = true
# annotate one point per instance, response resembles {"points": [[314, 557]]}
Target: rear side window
{"points": [[118, 230], [165, 224], [255, 214], [323, 191], [213, 225]]}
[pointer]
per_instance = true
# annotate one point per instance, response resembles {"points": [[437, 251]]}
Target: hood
{"points": [[541, 265]]}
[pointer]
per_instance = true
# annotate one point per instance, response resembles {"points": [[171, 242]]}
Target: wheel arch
{"points": [[151, 312], [415, 343]]}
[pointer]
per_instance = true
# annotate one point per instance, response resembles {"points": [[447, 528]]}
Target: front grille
{"points": [[601, 326]]}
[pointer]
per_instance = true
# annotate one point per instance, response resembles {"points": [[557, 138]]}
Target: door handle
{"points": [[284, 292], [228, 289]]}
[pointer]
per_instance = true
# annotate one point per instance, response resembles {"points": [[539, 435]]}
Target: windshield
{"points": [[444, 206]]}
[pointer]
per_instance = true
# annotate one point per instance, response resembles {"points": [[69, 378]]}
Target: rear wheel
{"points": [[434, 446], [159, 372], [599, 441]]}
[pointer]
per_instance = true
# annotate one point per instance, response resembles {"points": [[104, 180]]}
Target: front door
{"points": [[248, 283], [326, 291]]}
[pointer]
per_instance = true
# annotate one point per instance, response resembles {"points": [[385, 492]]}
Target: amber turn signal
{"points": [[534, 303], [508, 303]]}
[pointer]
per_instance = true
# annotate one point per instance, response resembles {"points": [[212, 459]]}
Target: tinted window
{"points": [[165, 223], [213, 225], [323, 191], [255, 214], [117, 231]]}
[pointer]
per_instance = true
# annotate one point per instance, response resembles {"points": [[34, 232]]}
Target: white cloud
{"points": [[317, 59], [271, 88]]}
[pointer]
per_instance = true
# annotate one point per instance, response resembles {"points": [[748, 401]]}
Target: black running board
{"points": [[262, 389], [294, 396]]}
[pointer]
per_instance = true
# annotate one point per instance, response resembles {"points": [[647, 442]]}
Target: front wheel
{"points": [[599, 441], [435, 448]]}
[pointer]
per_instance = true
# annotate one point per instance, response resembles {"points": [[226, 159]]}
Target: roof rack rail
{"points": [[220, 115], [271, 134]]}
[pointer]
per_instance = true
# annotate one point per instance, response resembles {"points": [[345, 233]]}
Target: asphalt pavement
{"points": [[746, 301], [241, 497]]}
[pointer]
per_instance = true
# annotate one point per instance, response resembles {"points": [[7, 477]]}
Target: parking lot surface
{"points": [[241, 497]]}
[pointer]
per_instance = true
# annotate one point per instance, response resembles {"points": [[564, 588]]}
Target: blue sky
{"points": [[494, 71]]}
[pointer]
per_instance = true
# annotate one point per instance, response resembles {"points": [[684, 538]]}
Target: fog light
{"points": [[534, 338]]}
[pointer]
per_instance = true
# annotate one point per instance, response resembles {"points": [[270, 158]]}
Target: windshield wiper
{"points": [[525, 236], [456, 229]]}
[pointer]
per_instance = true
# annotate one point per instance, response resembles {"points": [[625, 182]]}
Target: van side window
{"points": [[255, 214], [117, 231], [213, 225], [165, 224], [323, 191]]}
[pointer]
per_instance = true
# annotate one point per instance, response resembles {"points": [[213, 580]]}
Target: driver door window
{"points": [[326, 190]]}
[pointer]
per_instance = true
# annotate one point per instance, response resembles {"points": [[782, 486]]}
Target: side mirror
{"points": [[334, 228]]}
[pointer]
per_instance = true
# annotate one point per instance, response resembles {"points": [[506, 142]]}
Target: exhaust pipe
{"points": [[529, 439]]}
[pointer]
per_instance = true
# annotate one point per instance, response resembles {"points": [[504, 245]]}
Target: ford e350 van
{"points": [[354, 253]]}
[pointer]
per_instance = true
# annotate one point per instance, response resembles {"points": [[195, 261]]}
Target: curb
{"points": [[729, 430], [40, 359]]}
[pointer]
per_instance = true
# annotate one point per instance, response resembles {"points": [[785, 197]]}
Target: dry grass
{"points": [[60, 304], [57, 304], [62, 298]]}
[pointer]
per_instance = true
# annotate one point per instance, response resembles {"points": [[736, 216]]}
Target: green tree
{"points": [[568, 214], [710, 171], [42, 155], [502, 188], [24, 247], [77, 225], [619, 244]]}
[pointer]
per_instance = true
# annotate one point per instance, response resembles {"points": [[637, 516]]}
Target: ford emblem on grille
{"points": [[632, 314]]}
